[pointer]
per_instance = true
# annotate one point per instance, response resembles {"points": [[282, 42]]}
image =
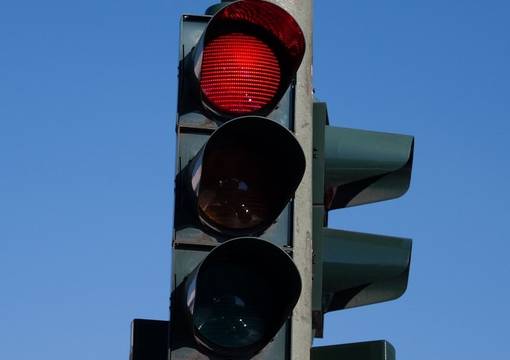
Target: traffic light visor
{"points": [[249, 53], [246, 174]]}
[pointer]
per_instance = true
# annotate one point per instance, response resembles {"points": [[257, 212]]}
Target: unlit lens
{"points": [[226, 312]]}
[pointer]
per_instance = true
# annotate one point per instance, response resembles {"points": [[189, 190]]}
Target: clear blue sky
{"points": [[87, 112]]}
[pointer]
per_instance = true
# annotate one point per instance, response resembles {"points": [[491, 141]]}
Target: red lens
{"points": [[240, 73]]}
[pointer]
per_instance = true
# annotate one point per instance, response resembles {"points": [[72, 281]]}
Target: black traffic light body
{"points": [[370, 350], [238, 164], [354, 167], [149, 340]]}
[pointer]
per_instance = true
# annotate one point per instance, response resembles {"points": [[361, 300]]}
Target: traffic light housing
{"points": [[354, 167], [238, 164], [149, 340], [369, 350], [237, 168]]}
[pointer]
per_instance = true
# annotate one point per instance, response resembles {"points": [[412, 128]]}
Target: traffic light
{"points": [[354, 167], [234, 283], [238, 167]]}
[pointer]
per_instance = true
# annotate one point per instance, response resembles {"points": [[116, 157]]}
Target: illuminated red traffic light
{"points": [[247, 58], [240, 73]]}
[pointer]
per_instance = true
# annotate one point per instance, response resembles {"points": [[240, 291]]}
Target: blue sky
{"points": [[87, 144]]}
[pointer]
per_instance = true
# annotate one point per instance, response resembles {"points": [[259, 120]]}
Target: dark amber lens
{"points": [[250, 168], [234, 194]]}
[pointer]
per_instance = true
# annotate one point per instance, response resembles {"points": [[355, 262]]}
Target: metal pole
{"points": [[301, 337]]}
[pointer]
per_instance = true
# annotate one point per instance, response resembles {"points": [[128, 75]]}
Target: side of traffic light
{"points": [[353, 167], [234, 283]]}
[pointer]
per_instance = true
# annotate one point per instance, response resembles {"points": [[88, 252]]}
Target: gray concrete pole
{"points": [[301, 339]]}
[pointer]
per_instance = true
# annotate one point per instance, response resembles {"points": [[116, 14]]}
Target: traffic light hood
{"points": [[355, 167], [247, 57], [363, 167], [360, 269], [240, 296], [245, 175]]}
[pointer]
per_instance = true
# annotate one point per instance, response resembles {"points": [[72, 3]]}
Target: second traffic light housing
{"points": [[354, 167]]}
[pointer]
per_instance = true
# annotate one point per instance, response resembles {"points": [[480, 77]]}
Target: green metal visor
{"points": [[354, 269], [240, 296], [363, 167], [360, 269], [245, 175]]}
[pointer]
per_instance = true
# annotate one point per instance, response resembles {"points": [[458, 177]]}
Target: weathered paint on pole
{"points": [[301, 339]]}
